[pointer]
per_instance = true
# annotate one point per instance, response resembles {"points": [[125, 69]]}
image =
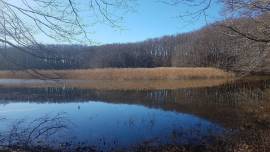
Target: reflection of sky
{"points": [[117, 124]]}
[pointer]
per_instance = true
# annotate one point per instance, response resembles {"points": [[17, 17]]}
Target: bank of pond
{"points": [[229, 116]]}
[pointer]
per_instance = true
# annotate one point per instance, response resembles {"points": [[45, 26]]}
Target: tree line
{"points": [[213, 45]]}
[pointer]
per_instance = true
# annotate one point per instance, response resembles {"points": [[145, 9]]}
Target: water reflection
{"points": [[107, 126], [112, 119]]}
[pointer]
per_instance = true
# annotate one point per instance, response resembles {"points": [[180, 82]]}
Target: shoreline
{"points": [[112, 84]]}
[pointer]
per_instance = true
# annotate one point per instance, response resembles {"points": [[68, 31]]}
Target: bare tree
{"points": [[23, 21], [247, 21], [255, 11]]}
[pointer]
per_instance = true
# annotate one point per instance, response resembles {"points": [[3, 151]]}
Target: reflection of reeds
{"points": [[119, 85], [122, 74]]}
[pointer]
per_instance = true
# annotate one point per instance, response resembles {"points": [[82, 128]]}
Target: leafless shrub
{"points": [[27, 135]]}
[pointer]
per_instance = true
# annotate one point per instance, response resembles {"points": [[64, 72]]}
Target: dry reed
{"points": [[121, 74]]}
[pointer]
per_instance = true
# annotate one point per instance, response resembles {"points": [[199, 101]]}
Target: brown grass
{"points": [[121, 74]]}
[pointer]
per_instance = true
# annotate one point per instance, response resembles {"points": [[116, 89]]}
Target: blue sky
{"points": [[151, 20]]}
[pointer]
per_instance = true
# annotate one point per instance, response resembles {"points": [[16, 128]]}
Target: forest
{"points": [[210, 46]]}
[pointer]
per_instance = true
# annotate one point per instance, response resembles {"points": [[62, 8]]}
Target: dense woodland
{"points": [[213, 45]]}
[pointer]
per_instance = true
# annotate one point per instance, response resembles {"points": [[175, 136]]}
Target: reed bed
{"points": [[121, 74]]}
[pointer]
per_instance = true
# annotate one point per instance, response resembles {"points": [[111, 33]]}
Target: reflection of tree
{"points": [[27, 135], [131, 121]]}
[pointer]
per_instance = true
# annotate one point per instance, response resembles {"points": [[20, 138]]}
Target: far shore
{"points": [[163, 73], [116, 79]]}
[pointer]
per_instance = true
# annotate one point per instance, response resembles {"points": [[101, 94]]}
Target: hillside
{"points": [[207, 47]]}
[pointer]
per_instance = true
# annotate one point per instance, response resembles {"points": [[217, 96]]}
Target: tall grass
{"points": [[121, 74]]}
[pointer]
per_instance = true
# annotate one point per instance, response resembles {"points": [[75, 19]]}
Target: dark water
{"points": [[109, 120]]}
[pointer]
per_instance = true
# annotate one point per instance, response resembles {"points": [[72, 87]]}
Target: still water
{"points": [[122, 119]]}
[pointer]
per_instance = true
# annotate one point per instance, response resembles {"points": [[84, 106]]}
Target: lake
{"points": [[105, 120]]}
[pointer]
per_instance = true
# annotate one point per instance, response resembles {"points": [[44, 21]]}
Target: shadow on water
{"points": [[114, 119]]}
